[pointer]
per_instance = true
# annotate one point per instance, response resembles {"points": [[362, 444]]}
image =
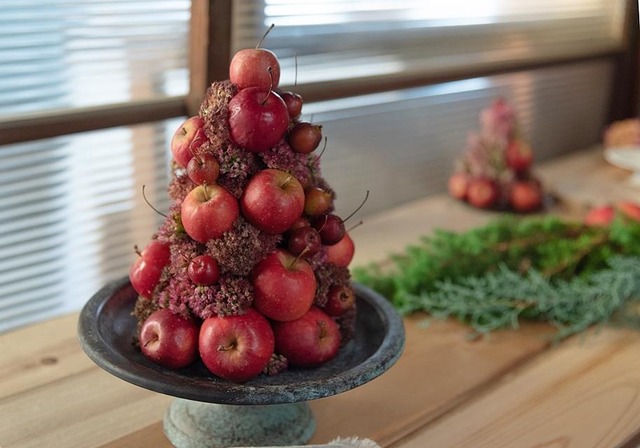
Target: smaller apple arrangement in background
{"points": [[495, 170], [248, 273]]}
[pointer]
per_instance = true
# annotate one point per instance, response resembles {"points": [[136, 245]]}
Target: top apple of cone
{"points": [[241, 250], [495, 170]]}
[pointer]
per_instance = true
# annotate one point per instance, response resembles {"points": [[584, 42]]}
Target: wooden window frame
{"points": [[210, 53]]}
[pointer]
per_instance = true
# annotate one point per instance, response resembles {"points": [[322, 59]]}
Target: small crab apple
{"points": [[525, 196], [255, 67], [340, 299], [187, 139], [342, 252], [169, 339], [284, 286], [309, 341], [272, 201], [305, 137], [146, 270], [203, 169], [483, 192], [317, 201], [258, 119], [458, 185], [519, 155], [600, 216], [294, 103], [304, 241], [203, 270], [208, 211], [236, 348], [330, 227]]}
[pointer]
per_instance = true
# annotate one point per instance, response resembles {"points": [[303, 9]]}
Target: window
{"points": [[92, 90]]}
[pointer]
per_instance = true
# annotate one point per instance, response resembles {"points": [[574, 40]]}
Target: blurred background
{"points": [[91, 92]]}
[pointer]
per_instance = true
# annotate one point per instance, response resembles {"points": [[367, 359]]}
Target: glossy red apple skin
{"points": [[284, 286], [255, 67], [304, 241], [169, 339], [187, 139], [630, 209], [258, 119], [458, 185], [483, 193], [146, 270], [208, 211], [525, 196], [309, 341], [600, 216], [273, 201], [519, 156], [330, 227], [342, 252], [236, 348]]}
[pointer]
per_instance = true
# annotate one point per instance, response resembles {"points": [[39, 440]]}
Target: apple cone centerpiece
{"points": [[241, 303], [495, 170]]}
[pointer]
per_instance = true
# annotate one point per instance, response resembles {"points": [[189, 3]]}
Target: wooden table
{"points": [[510, 389]]}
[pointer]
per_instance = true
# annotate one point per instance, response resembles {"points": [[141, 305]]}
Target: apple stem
{"points": [[359, 207], [265, 35], [355, 226], [225, 348], [144, 196], [206, 191], [298, 258], [295, 72], [136, 249], [270, 70], [323, 329]]}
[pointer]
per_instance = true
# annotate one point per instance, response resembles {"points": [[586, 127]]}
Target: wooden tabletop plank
{"points": [[39, 354], [583, 393]]}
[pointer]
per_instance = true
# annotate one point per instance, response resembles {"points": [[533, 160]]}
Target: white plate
{"points": [[625, 157]]}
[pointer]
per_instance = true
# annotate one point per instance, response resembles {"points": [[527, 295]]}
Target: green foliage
{"points": [[540, 268]]}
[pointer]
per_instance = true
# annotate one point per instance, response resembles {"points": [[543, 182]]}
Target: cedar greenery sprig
{"points": [[540, 268]]}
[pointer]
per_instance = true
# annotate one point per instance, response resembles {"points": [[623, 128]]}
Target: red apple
{"points": [[458, 185], [340, 299], [294, 103], [146, 270], [483, 193], [519, 156], [236, 348], [169, 339], [203, 270], [208, 211], [342, 252], [255, 67], [600, 216], [305, 137], [273, 201], [284, 286], [525, 196], [203, 169], [309, 341], [187, 139], [630, 209], [258, 119]]}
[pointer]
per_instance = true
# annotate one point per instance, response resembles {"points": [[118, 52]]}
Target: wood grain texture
{"points": [[583, 393]]}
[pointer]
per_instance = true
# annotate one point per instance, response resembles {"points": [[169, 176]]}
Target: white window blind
{"points": [[71, 208], [337, 40]]}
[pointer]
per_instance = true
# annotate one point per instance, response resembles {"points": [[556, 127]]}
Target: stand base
{"points": [[194, 424]]}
